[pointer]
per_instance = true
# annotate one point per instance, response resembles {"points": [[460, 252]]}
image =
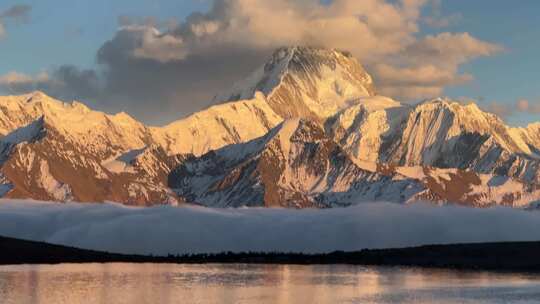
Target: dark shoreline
{"points": [[514, 257]]}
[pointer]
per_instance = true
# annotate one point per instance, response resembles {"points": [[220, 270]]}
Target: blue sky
{"points": [[72, 33], [512, 74]]}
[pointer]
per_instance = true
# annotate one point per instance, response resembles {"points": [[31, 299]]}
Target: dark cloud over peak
{"points": [[160, 70]]}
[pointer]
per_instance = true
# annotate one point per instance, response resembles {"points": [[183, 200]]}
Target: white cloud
{"points": [[367, 28], [66, 82], [525, 106], [15, 78], [157, 46], [421, 81], [375, 31], [182, 66], [507, 109], [429, 65], [164, 230], [449, 49], [522, 105], [15, 81], [205, 28]]}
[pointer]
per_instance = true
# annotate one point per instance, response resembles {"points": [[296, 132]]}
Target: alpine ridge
{"points": [[294, 165], [306, 82], [306, 130]]}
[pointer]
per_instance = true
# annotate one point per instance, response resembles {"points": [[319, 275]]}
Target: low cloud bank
{"points": [[164, 230]]}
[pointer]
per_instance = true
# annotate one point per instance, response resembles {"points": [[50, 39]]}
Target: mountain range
{"points": [[307, 129]]}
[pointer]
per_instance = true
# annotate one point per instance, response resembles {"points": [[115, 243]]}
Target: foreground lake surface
{"points": [[164, 283]]}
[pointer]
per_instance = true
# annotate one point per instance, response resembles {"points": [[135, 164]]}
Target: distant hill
{"points": [[515, 256]]}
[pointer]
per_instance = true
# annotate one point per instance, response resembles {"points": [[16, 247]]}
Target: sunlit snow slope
{"points": [[305, 130]]}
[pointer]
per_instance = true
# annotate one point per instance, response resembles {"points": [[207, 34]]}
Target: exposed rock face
{"points": [[468, 188], [298, 165], [438, 133], [71, 153], [305, 130], [295, 165], [296, 82], [306, 82]]}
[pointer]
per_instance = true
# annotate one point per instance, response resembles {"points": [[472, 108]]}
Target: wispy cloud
{"points": [[19, 13], [437, 19], [505, 110], [527, 106], [67, 81]]}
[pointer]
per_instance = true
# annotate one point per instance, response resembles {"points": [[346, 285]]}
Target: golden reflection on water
{"points": [[284, 284]]}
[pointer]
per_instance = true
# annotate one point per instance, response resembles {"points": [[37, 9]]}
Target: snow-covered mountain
{"points": [[296, 82], [294, 165], [306, 82], [64, 151], [438, 133], [305, 130], [218, 126], [298, 165]]}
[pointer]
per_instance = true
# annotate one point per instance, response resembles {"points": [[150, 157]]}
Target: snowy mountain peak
{"points": [[98, 132], [306, 82], [463, 117], [280, 139], [534, 127], [305, 130], [36, 95], [218, 126]]}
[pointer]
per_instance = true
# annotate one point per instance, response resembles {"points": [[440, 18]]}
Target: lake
{"points": [[215, 283]]}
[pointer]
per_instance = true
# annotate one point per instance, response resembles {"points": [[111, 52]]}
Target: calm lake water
{"points": [[163, 283]]}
